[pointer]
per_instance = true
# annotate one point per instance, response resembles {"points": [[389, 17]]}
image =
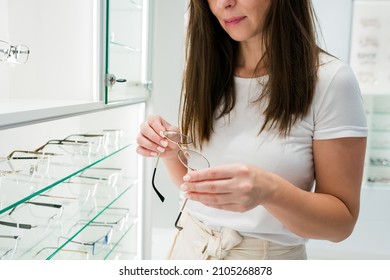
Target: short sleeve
{"points": [[338, 104]]}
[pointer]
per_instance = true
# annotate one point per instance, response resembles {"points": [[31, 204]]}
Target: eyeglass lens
{"points": [[193, 160], [14, 54], [177, 137], [20, 53], [4, 50], [189, 158]]}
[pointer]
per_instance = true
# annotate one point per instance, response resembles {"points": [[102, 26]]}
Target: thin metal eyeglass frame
{"points": [[166, 133], [5, 253], [183, 151], [105, 239], [13, 51]]}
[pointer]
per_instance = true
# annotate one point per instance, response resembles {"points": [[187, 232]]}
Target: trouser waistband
{"points": [[197, 241]]}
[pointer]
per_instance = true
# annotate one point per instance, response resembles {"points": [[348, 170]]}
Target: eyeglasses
{"points": [[70, 254], [115, 216], [108, 174], [15, 54], [35, 154], [8, 245], [69, 147], [97, 245], [8, 172], [17, 225], [192, 160], [100, 139], [379, 161], [31, 163], [43, 213], [60, 142]]}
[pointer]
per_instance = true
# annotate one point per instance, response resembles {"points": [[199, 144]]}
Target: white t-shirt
{"points": [[337, 111]]}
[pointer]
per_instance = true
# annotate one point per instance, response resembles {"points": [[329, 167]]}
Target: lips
{"points": [[231, 21]]}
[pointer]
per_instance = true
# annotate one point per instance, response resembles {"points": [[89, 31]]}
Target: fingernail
{"points": [[187, 177], [160, 149], [183, 187], [164, 143], [153, 154], [162, 134]]}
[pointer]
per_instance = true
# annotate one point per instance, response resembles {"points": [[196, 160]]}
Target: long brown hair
{"points": [[290, 57]]}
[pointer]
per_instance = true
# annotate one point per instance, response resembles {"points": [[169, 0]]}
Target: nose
{"points": [[225, 3]]}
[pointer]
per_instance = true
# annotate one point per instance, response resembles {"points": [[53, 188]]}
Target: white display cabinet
{"points": [[83, 56], [82, 90]]}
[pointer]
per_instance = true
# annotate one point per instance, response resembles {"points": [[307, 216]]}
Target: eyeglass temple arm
{"points": [[177, 222], [178, 217], [162, 198], [16, 225], [84, 135], [60, 142], [11, 155], [53, 205]]}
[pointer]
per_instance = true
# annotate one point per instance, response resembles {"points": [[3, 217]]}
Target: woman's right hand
{"points": [[151, 140]]}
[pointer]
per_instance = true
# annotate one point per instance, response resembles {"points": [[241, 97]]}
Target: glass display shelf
{"points": [[378, 146], [49, 234], [379, 123], [23, 179], [48, 204], [377, 173]]}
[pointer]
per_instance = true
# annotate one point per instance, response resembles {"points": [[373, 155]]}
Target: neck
{"points": [[249, 64]]}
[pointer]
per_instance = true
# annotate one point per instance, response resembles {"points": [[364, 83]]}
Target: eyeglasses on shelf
{"points": [[25, 154], [62, 254], [60, 142], [43, 214], [192, 160], [100, 140], [17, 225], [115, 216], [8, 172], [97, 245], [8, 245], [17, 54]]}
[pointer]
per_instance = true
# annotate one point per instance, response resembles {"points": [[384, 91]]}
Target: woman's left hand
{"points": [[235, 187]]}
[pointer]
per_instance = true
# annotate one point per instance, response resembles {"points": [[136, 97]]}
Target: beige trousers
{"points": [[197, 242]]}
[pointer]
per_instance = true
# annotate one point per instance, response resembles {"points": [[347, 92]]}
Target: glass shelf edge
{"points": [[57, 182], [90, 221]]}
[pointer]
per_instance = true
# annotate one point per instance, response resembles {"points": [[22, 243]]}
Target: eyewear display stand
{"points": [[54, 201], [76, 205]]}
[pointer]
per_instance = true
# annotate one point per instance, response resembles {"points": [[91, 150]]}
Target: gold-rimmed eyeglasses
{"points": [[76, 254], [191, 159]]}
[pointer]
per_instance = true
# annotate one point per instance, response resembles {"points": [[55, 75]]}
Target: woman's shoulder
{"points": [[331, 68], [328, 62]]}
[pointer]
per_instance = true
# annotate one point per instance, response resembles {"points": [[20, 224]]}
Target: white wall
{"points": [[61, 53], [167, 55], [4, 73], [334, 18]]}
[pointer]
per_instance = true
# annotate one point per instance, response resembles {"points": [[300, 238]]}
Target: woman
{"points": [[280, 121]]}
